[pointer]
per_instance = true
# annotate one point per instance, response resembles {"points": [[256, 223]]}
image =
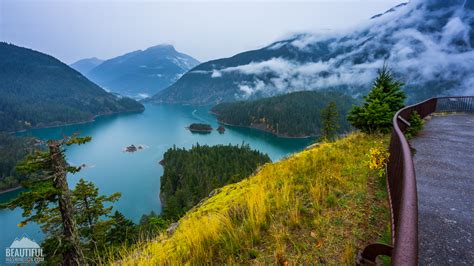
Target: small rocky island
{"points": [[133, 148], [221, 129], [200, 128]]}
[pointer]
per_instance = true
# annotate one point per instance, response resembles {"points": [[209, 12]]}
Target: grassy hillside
{"points": [[318, 206]]}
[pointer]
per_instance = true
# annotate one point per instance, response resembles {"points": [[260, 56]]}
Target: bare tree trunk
{"points": [[72, 254]]}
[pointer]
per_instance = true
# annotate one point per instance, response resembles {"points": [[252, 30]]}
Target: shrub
{"points": [[381, 104], [416, 124], [378, 159]]}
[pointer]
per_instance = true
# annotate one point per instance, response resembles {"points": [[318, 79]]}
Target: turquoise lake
{"points": [[137, 175]]}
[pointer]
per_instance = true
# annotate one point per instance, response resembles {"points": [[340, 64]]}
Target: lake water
{"points": [[137, 175]]}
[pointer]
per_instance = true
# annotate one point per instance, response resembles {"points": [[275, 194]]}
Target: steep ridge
{"points": [[142, 73], [86, 65]]}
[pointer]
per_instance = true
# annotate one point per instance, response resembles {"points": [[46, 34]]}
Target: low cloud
{"points": [[216, 74], [423, 42]]}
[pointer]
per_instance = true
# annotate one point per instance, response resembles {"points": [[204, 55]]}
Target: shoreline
{"points": [[10, 189], [263, 130], [267, 131], [199, 130], [79, 123]]}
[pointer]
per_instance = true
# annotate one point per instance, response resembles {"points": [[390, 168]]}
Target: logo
{"points": [[24, 250]]}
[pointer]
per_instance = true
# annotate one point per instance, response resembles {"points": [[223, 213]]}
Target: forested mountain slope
{"points": [[87, 64], [296, 114], [13, 149], [37, 90]]}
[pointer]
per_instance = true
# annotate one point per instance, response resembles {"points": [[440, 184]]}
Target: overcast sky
{"points": [[76, 29]]}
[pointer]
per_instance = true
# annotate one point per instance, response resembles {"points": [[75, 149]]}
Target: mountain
{"points": [[427, 44], [38, 90], [85, 65], [297, 114], [142, 73]]}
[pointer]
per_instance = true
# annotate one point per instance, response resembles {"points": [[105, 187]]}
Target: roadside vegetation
{"points": [[416, 125], [380, 105]]}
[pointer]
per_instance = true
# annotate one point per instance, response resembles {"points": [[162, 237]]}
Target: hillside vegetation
{"points": [[190, 175], [13, 149], [295, 114], [38, 90], [318, 206]]}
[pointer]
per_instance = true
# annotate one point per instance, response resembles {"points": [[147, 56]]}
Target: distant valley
{"points": [[140, 73], [87, 64]]}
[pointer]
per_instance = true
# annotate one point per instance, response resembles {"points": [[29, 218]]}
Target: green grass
{"points": [[321, 205]]}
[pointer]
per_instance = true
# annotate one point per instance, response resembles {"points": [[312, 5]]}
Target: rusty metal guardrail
{"points": [[401, 183]]}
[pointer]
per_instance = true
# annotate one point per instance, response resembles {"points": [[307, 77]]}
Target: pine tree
{"points": [[152, 224], [91, 214], [380, 105], [49, 195], [122, 231], [329, 120]]}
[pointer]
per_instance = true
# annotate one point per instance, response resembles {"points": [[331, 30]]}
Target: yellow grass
{"points": [[318, 206]]}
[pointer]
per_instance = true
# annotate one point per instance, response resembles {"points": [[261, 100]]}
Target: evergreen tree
{"points": [[381, 104], [91, 214], [295, 114], [329, 120], [152, 224], [190, 175], [91, 221], [48, 194], [12, 150], [122, 231]]}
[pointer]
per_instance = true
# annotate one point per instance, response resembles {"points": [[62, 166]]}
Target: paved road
{"points": [[444, 165]]}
